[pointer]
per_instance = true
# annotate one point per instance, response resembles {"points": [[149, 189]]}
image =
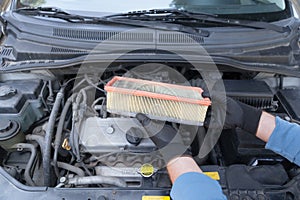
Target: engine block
{"points": [[98, 136]]}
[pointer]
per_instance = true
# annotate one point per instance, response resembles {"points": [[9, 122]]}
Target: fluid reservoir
{"points": [[10, 133], [21, 101]]}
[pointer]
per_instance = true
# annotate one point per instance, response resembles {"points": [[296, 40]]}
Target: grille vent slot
{"points": [[177, 38], [66, 50], [103, 35], [6, 52]]}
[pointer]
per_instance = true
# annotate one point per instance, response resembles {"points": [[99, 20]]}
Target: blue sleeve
{"points": [[285, 140], [193, 185]]}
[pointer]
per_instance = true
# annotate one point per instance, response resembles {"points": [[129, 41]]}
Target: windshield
{"points": [[119, 6]]}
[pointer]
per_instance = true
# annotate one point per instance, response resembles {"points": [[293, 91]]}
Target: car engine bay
{"points": [[55, 131]]}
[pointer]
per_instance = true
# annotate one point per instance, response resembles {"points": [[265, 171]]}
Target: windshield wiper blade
{"points": [[246, 23], [40, 9], [49, 12], [155, 25], [57, 13], [200, 17], [160, 12], [137, 18]]}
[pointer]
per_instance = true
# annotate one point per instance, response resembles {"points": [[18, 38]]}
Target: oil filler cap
{"points": [[8, 129], [134, 136], [147, 170]]}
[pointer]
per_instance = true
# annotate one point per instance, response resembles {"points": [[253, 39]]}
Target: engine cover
{"points": [[99, 135]]}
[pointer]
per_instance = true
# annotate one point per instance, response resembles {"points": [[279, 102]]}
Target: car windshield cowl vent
{"points": [[6, 66], [179, 38], [160, 37], [90, 35], [67, 51]]}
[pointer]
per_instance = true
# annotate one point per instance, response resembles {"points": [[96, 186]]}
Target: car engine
{"points": [[55, 129]]}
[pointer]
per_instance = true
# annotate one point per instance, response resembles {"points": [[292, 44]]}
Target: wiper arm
{"points": [[137, 18], [49, 12], [161, 12], [199, 17], [60, 14], [155, 25], [247, 23], [31, 10]]}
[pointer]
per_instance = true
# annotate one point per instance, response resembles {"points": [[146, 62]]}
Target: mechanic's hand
{"points": [[165, 137], [237, 114]]}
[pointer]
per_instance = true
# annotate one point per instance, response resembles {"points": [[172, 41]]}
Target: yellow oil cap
{"points": [[147, 170]]}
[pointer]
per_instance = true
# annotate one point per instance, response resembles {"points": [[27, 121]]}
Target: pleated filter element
{"points": [[161, 101]]}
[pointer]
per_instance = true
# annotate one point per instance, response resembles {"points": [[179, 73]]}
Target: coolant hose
{"points": [[71, 168], [48, 137], [28, 168], [87, 180]]}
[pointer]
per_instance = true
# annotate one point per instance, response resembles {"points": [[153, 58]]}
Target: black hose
{"points": [[48, 137], [71, 168], [28, 168], [39, 139], [280, 82], [59, 131], [201, 133]]}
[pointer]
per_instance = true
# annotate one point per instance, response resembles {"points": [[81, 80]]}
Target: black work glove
{"points": [[237, 114], [165, 137]]}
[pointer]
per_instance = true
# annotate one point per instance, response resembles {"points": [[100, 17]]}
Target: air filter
{"points": [[161, 101]]}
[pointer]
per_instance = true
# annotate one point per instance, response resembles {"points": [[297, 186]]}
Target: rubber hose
{"points": [[87, 180], [59, 131], [28, 168], [39, 139], [71, 168], [48, 137]]}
